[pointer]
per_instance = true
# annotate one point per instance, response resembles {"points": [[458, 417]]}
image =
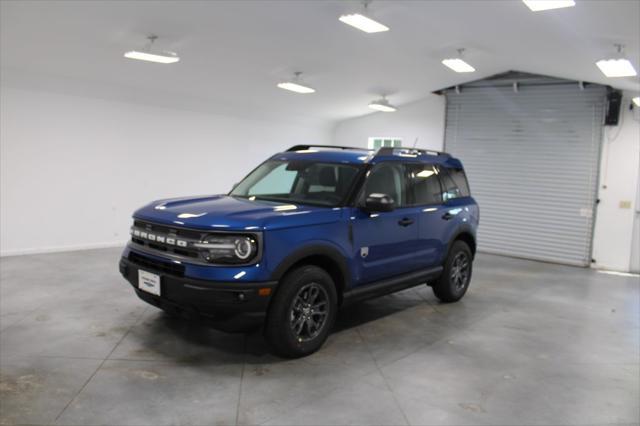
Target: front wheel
{"points": [[302, 313], [454, 281]]}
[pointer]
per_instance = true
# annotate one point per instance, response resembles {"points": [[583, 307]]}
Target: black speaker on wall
{"points": [[614, 102]]}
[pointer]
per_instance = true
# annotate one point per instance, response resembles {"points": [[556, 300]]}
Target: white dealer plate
{"points": [[149, 282]]}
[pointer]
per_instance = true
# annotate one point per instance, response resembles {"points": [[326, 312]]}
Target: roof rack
{"points": [[413, 152], [305, 147]]}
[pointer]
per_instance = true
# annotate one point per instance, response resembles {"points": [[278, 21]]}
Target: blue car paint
{"points": [[289, 228]]}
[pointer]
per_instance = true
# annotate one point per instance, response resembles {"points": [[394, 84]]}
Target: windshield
{"points": [[304, 182]]}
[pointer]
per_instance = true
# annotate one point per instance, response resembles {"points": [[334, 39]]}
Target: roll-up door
{"points": [[531, 153]]}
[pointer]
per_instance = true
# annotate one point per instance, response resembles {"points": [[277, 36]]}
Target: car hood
{"points": [[223, 212]]}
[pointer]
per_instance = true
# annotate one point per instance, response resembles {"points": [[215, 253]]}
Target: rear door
{"points": [[385, 243], [425, 196], [442, 196]]}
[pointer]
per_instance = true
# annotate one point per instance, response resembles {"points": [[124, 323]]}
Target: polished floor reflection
{"points": [[531, 343]]}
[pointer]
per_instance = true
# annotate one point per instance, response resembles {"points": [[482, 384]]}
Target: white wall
{"points": [[613, 235], [423, 120], [73, 169]]}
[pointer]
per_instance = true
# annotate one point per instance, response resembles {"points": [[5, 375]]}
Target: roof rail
{"points": [[305, 147], [413, 152]]}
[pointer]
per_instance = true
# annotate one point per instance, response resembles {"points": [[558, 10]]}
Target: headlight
{"points": [[230, 249]]}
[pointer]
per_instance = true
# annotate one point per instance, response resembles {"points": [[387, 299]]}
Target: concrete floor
{"points": [[531, 343]]}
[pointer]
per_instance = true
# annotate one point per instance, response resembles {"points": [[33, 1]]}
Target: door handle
{"points": [[405, 221]]}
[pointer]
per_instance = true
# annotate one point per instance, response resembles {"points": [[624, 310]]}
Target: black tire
{"points": [[292, 327], [455, 278]]}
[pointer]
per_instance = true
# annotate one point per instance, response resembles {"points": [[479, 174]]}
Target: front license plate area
{"points": [[149, 282]]}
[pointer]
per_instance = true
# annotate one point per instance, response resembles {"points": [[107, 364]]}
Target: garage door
{"points": [[531, 153]]}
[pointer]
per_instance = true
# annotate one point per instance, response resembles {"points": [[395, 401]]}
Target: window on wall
{"points": [[379, 142]]}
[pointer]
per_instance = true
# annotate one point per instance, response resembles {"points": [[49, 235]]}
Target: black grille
{"points": [[193, 253], [168, 268], [164, 229], [167, 231]]}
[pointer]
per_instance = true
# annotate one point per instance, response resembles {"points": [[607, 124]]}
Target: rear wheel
{"points": [[302, 313], [454, 281]]}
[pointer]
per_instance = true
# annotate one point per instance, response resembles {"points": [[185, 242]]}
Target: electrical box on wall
{"points": [[614, 102]]}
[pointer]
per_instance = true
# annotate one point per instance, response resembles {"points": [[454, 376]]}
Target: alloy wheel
{"points": [[460, 271], [309, 311]]}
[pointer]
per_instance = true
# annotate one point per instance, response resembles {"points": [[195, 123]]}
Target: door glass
{"points": [[423, 184], [387, 178]]}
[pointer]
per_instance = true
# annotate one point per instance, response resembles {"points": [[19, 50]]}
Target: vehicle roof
{"points": [[360, 156]]}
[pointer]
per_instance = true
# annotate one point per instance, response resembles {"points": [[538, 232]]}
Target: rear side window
{"points": [[454, 183], [423, 184]]}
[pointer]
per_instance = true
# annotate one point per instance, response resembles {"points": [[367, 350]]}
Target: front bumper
{"points": [[199, 298]]}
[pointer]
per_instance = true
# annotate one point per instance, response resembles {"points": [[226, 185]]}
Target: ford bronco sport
{"points": [[307, 231]]}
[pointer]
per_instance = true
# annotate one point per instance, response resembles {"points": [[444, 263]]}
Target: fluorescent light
{"points": [[161, 58], [382, 108], [616, 68], [636, 101], [538, 5], [363, 23], [147, 55], [382, 105], [458, 65], [295, 87]]}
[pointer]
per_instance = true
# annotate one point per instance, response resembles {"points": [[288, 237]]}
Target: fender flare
{"points": [[315, 249], [463, 229]]}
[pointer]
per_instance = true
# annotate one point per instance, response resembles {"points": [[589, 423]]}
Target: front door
{"points": [[385, 243]]}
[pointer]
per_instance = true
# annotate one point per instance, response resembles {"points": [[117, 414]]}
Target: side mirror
{"points": [[379, 203]]}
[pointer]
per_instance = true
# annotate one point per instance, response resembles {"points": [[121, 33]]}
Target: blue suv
{"points": [[309, 230]]}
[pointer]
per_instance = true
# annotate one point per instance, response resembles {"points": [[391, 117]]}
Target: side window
{"points": [[423, 184], [454, 183], [387, 178], [277, 181], [460, 179]]}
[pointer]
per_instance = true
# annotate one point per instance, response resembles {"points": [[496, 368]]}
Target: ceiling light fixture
{"points": [[362, 22], [147, 55], [539, 5], [295, 85], [458, 64], [617, 67], [382, 105]]}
